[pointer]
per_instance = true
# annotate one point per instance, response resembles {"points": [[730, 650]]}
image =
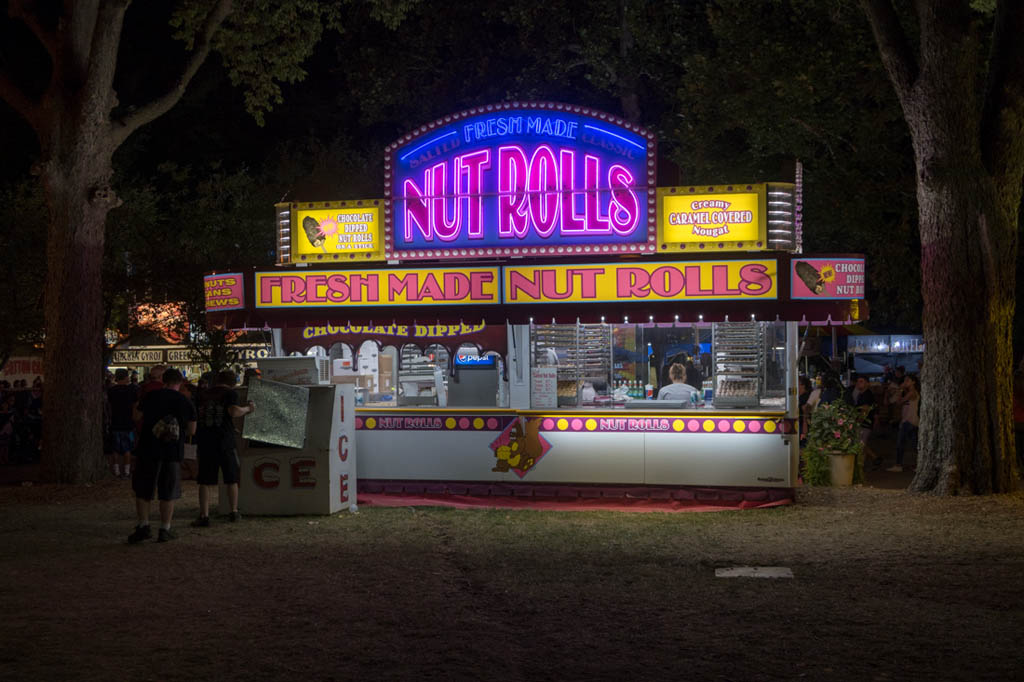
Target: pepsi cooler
{"points": [[474, 382]]}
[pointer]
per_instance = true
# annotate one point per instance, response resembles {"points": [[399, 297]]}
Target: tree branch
{"points": [[163, 104], [19, 9], [893, 45], [1002, 122], [103, 49], [21, 103]]}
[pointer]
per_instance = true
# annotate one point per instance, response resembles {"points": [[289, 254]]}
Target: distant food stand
{"points": [[524, 277]]}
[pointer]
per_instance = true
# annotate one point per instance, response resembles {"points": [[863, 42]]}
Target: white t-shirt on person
{"points": [[681, 392]]}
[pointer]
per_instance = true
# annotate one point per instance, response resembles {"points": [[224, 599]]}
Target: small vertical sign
{"points": [[543, 388], [343, 446]]}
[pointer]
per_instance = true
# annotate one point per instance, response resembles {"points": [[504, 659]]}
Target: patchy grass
{"points": [[887, 586]]}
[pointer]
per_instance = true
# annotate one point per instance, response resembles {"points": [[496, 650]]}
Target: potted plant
{"points": [[833, 452]]}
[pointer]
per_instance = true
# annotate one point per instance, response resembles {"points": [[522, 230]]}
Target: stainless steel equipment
{"points": [[581, 352], [738, 352], [416, 384], [475, 381]]}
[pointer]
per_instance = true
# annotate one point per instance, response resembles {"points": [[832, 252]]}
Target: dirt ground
{"points": [[887, 586]]}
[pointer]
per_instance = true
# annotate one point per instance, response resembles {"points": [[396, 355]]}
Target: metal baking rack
{"points": [[738, 354], [580, 352]]}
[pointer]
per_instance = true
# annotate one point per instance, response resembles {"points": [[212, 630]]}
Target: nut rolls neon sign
{"points": [[521, 179]]}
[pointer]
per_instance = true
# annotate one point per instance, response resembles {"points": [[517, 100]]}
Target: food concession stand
{"points": [[528, 283]]}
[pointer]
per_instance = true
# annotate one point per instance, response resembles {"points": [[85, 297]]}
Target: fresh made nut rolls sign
{"points": [[583, 283], [520, 179]]}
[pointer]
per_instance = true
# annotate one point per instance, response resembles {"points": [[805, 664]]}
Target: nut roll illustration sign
{"points": [[325, 231], [520, 179], [827, 278]]}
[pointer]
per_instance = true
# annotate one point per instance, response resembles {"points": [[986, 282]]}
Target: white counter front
{"points": [[696, 448]]}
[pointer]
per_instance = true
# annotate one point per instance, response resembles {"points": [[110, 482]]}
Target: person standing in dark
{"points": [[862, 398], [215, 443], [167, 418], [122, 396], [693, 375], [805, 411], [155, 380]]}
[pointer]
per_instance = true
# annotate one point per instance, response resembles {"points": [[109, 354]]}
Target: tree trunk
{"points": [[966, 442], [968, 222], [76, 180]]}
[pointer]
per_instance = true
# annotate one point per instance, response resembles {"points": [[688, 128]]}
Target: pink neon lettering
{"points": [[541, 191], [473, 166], [543, 201], [512, 218], [571, 222], [415, 210], [596, 223], [447, 230], [624, 211]]}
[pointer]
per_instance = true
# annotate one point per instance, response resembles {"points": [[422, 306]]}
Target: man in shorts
{"points": [[215, 443], [167, 417], [122, 396]]}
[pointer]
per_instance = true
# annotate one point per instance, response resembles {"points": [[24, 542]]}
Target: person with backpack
{"points": [[167, 417], [215, 443]]}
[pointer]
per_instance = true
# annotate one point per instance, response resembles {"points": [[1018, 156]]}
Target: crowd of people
{"points": [[21, 421], [889, 407], [149, 427]]}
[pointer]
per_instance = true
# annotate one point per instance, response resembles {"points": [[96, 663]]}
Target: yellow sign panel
{"points": [[427, 287], [667, 281], [722, 220], [340, 230]]}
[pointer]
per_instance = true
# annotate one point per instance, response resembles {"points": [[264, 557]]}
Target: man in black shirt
{"points": [[167, 418], [215, 443], [122, 396]]}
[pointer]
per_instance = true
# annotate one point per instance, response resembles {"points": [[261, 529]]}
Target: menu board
{"points": [[543, 388]]}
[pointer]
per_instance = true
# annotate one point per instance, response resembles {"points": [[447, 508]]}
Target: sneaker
{"points": [[141, 533], [201, 522], [236, 516], [165, 535], [898, 469]]}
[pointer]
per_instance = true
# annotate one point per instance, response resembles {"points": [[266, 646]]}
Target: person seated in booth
{"points": [[679, 389]]}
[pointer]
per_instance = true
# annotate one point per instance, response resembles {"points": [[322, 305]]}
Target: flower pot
{"points": [[841, 468]]}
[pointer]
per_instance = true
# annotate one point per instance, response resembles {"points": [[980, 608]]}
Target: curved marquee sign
{"points": [[521, 179]]}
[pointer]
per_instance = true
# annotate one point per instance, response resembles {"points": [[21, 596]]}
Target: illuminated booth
{"points": [[510, 311]]}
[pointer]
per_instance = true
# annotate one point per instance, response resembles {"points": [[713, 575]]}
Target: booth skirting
{"points": [[396, 493]]}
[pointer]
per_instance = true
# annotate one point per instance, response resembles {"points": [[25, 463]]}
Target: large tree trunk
{"points": [[79, 198], [966, 442], [968, 222]]}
